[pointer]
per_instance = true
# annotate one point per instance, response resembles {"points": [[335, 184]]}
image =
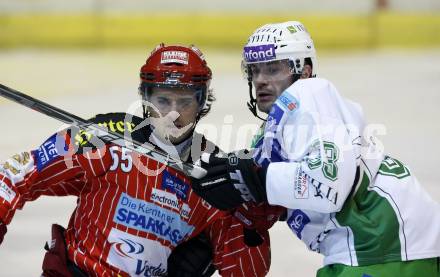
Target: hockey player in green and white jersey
{"points": [[363, 210]]}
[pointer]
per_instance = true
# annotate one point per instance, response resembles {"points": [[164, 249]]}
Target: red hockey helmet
{"points": [[176, 66]]}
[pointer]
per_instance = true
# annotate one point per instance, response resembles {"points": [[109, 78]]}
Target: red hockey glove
{"points": [[260, 216], [257, 220]]}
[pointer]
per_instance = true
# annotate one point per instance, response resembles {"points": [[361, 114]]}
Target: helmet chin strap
{"points": [[145, 112], [252, 104]]}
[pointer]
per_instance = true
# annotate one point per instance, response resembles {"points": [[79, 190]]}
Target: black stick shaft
{"points": [[102, 133]]}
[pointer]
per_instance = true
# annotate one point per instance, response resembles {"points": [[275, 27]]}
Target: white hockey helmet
{"points": [[281, 41], [276, 42]]}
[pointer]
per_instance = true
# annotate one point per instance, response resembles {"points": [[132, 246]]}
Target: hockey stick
{"points": [[100, 132]]}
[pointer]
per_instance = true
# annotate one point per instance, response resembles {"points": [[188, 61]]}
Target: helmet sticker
{"points": [[291, 29], [259, 53], [174, 57], [198, 52]]}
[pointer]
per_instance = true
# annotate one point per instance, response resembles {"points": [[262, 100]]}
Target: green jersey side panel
{"points": [[374, 225]]}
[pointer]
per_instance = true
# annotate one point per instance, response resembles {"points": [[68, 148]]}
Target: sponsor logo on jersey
{"points": [[288, 101], [259, 53], [6, 192], [22, 158], [170, 200], [15, 166], [148, 217], [164, 198], [322, 190], [137, 256], [185, 210], [12, 169], [118, 126], [175, 185], [83, 137], [301, 187], [174, 57], [49, 151], [297, 221]]}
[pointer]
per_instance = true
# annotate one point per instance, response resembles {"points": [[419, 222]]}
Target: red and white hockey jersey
{"points": [[131, 212]]}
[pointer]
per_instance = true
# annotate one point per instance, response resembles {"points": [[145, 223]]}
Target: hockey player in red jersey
{"points": [[132, 211]]}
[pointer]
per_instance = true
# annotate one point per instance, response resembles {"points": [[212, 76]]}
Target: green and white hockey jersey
{"points": [[345, 198]]}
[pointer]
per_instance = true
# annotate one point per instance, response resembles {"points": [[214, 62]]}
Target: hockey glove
{"points": [[231, 180], [192, 258], [257, 219], [260, 217]]}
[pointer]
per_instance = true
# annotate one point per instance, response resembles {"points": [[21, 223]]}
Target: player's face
{"points": [[270, 79], [174, 112]]}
